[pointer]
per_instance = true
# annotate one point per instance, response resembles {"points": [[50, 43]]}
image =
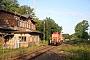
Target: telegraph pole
{"points": [[35, 7], [44, 33], [89, 33]]}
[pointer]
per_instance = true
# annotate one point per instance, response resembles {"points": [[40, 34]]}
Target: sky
{"points": [[66, 13]]}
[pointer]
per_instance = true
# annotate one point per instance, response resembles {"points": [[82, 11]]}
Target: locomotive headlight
{"points": [[57, 40]]}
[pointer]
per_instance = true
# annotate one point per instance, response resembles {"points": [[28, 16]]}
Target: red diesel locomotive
{"points": [[56, 39]]}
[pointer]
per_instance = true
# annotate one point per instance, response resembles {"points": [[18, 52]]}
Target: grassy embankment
{"points": [[79, 50], [16, 52], [19, 51], [45, 42]]}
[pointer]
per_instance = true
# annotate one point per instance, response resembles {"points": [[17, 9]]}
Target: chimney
{"points": [[0, 7]]}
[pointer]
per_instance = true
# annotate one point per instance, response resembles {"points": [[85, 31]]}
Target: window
{"points": [[22, 24], [22, 38], [35, 39], [32, 26], [30, 38], [18, 23], [27, 24]]}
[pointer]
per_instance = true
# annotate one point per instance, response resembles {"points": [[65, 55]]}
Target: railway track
{"points": [[29, 55], [49, 49], [42, 52], [33, 54]]}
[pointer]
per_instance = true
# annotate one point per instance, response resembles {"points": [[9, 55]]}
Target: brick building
{"points": [[25, 34]]}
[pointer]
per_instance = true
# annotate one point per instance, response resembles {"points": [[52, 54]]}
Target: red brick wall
{"points": [[11, 21], [7, 19]]}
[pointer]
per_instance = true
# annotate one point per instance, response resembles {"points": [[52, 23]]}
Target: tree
{"points": [[74, 36], [26, 10], [67, 36], [81, 28], [13, 6], [9, 5], [50, 27], [1, 2], [38, 23]]}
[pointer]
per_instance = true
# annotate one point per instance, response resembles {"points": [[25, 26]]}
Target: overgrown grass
{"points": [[17, 51], [80, 51], [44, 42], [21, 50]]}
